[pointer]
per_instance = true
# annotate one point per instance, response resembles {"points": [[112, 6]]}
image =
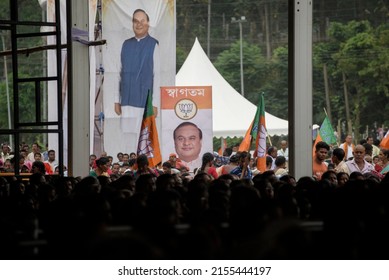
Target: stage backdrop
{"points": [[186, 104], [116, 28]]}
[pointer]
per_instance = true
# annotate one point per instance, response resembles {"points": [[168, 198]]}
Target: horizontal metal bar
{"points": [[36, 34], [38, 123], [32, 50], [49, 47], [31, 23], [20, 131], [37, 79], [5, 27]]}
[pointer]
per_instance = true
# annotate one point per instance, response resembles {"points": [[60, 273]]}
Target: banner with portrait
{"points": [[187, 123], [117, 26]]}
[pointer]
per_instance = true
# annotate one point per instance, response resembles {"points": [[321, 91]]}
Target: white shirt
{"points": [[283, 153], [349, 150], [352, 167], [273, 165]]}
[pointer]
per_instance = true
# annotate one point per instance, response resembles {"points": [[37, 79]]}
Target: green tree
{"points": [[254, 68], [275, 84], [357, 50]]}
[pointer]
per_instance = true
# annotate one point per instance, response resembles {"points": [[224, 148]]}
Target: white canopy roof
{"points": [[232, 113]]}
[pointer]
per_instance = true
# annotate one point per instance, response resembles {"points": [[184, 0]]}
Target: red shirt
{"points": [[212, 171]]}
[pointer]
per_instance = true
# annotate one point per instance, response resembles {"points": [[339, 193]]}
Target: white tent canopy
{"points": [[232, 113]]}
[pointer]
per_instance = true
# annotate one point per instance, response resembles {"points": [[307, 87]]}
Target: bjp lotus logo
{"points": [[185, 109]]}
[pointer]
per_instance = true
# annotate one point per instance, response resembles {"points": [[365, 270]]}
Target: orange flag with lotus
{"points": [[257, 132], [148, 139]]}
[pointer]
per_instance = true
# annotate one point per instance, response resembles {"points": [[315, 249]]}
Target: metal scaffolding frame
{"points": [[38, 125]]}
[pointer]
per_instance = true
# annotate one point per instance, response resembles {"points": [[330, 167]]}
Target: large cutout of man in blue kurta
{"points": [[139, 75]]}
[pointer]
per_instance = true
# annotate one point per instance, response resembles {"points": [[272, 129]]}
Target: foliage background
{"points": [[350, 39]]}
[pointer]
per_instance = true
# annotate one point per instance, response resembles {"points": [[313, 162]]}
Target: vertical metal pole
{"points": [[300, 87], [79, 102], [14, 47], [241, 59], [69, 61], [209, 30], [7, 91], [58, 52], [44, 74]]}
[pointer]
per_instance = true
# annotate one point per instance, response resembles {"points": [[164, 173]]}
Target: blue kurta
{"points": [[137, 73]]}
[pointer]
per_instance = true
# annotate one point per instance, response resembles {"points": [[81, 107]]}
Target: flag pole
{"points": [[251, 142], [325, 111], [268, 138]]}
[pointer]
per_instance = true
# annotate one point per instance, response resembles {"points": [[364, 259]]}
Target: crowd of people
{"points": [[225, 209], [28, 160], [365, 159]]}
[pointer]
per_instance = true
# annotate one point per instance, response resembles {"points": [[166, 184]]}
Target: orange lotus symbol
{"points": [[186, 108]]}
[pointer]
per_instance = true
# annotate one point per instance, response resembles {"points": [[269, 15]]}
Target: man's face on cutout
{"points": [[187, 142], [140, 24]]}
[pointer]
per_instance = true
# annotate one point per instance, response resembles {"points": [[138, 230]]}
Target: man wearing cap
{"points": [[176, 162]]}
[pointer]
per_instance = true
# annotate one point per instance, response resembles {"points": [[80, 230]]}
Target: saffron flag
{"points": [[257, 132], [148, 139], [385, 141], [326, 134], [223, 147], [246, 142]]}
